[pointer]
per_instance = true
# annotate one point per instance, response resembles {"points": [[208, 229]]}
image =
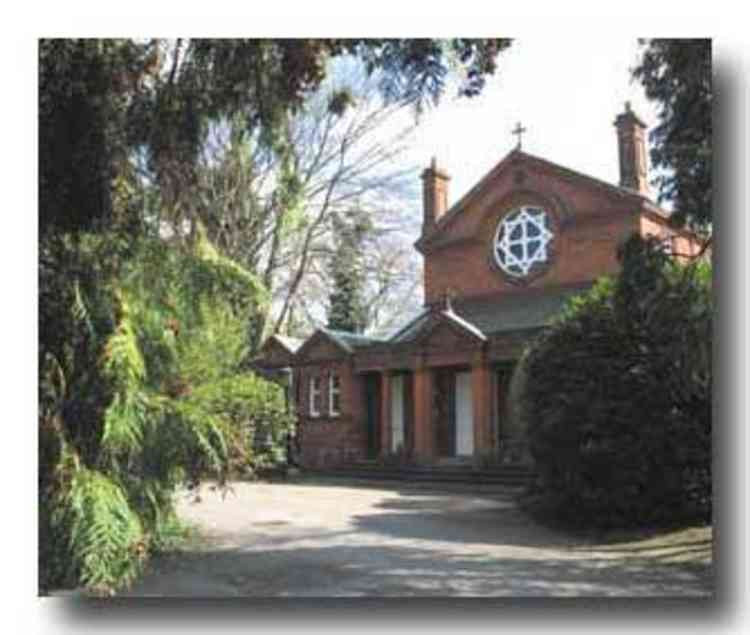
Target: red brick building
{"points": [[498, 265]]}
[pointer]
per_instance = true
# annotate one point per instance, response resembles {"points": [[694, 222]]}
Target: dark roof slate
{"points": [[350, 341], [515, 312]]}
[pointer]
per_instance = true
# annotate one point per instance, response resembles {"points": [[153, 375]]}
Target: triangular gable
{"points": [[276, 352], [291, 344], [516, 159], [446, 327], [321, 344]]}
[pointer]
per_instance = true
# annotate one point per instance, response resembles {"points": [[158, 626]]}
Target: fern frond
{"points": [[201, 432], [105, 533], [80, 310], [124, 420], [123, 361]]}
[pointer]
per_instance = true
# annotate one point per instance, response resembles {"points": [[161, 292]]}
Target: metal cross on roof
{"points": [[518, 131]]}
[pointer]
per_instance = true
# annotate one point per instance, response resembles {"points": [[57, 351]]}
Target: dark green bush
{"points": [[618, 401]]}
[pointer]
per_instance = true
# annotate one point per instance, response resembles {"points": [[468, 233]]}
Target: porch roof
{"points": [[292, 344], [351, 341], [514, 312]]}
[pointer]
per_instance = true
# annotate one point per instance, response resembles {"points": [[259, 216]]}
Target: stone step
{"points": [[513, 478], [508, 469]]}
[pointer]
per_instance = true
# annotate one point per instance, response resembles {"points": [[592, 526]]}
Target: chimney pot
{"points": [[631, 145], [434, 195]]}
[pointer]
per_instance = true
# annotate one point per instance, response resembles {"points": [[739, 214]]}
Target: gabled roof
{"points": [[427, 321], [346, 341], [450, 316], [350, 341], [407, 332], [494, 316], [516, 156], [516, 311], [291, 344]]}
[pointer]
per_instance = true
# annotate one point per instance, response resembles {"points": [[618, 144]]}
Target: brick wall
{"points": [[328, 440], [589, 223]]}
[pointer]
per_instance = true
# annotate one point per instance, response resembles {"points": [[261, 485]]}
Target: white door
{"points": [[464, 415], [397, 412]]}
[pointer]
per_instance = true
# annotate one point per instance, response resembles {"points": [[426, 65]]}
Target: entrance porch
{"points": [[438, 413]]}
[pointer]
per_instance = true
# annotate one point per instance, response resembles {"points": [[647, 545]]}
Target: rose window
{"points": [[522, 240]]}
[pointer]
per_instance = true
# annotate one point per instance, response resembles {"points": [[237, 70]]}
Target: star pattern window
{"points": [[522, 240]]}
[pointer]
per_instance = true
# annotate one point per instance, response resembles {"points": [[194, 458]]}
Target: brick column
{"points": [[423, 432], [481, 389], [385, 412]]}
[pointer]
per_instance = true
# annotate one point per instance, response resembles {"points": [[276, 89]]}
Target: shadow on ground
{"points": [[396, 571], [341, 540]]}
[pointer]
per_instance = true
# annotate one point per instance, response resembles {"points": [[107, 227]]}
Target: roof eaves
{"points": [[407, 326], [457, 207], [333, 335], [617, 189], [454, 209], [465, 324], [291, 344], [354, 340]]}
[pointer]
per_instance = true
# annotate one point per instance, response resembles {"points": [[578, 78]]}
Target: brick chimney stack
{"points": [[631, 143], [434, 195]]}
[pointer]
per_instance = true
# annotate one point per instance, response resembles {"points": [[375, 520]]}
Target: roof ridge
{"points": [[406, 326], [464, 323], [292, 344], [348, 333], [461, 203]]}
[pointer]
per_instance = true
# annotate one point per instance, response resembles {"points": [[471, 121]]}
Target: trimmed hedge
{"points": [[618, 401]]}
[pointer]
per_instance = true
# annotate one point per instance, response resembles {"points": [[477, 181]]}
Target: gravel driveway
{"points": [[353, 539]]}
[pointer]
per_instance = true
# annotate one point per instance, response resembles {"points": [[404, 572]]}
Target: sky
{"points": [[566, 92]]}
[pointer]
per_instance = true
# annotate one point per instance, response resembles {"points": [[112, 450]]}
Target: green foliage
{"points": [[106, 537], [141, 389], [618, 404], [142, 342], [347, 310], [676, 73], [416, 69], [103, 101]]}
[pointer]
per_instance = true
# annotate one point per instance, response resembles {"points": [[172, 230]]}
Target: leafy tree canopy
{"points": [[676, 73], [346, 308], [102, 100], [144, 337]]}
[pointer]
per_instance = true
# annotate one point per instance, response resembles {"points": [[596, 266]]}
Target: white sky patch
{"points": [[565, 91]]}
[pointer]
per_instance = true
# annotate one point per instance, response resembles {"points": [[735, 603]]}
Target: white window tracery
{"points": [[315, 395], [521, 240], [334, 395]]}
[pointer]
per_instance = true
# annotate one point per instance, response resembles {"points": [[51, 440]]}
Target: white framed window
{"points": [[521, 240], [315, 396], [334, 395]]}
